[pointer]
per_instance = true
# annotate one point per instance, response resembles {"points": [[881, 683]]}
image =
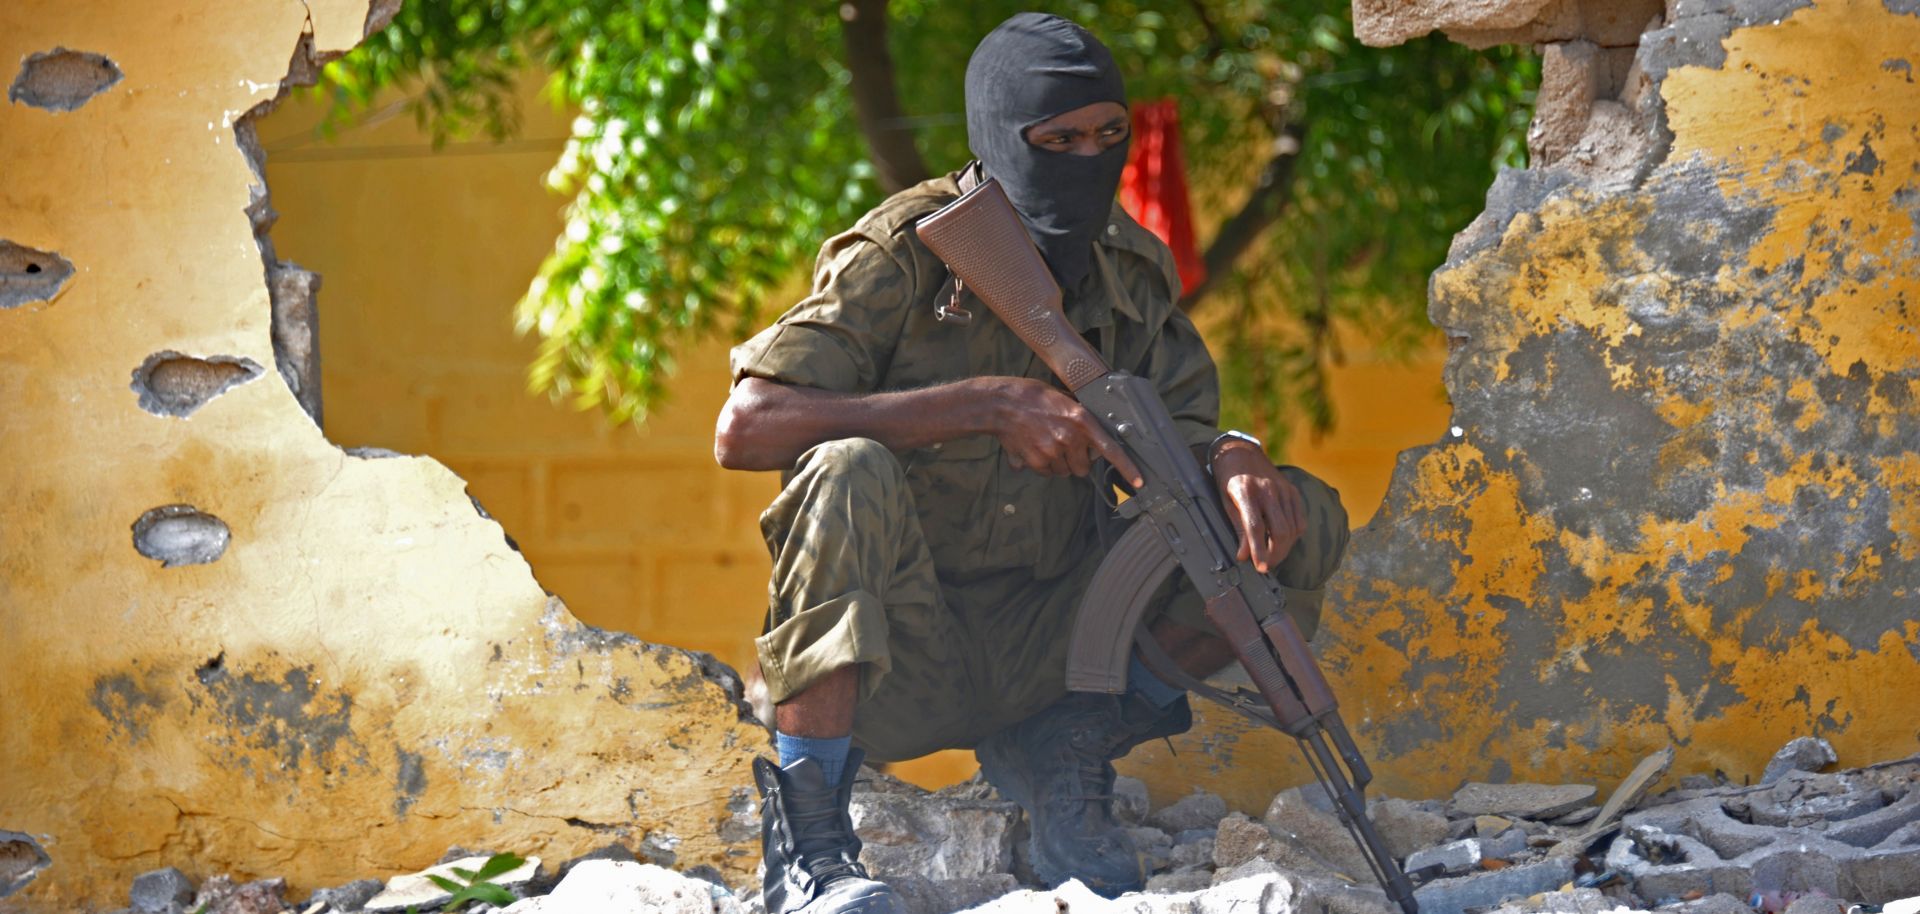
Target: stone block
{"points": [[910, 832], [920, 895], [1532, 801], [1253, 893], [1130, 803], [1571, 901], [1198, 809], [350, 897], [220, 895], [1292, 815], [165, 890], [1452, 858], [1406, 826], [1807, 753], [1504, 846], [1491, 887], [1238, 840], [1572, 76], [1178, 881], [624, 887], [1717, 903], [1197, 853]]}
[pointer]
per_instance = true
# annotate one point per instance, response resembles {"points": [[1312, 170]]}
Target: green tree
{"points": [[719, 143]]}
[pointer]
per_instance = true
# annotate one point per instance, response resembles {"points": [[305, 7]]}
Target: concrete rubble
{"points": [[1805, 842]]}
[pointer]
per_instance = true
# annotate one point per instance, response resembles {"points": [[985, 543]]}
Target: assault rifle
{"points": [[1179, 523]]}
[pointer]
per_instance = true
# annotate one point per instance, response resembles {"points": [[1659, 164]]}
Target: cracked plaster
{"points": [[369, 673], [1678, 502]]}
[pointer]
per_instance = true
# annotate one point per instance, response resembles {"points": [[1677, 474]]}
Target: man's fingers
{"points": [[1077, 458], [1253, 527], [1111, 450]]}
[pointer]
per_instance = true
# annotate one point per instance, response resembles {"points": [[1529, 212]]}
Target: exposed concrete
{"points": [[178, 535], [1483, 23], [162, 891], [292, 290], [1490, 887], [21, 859], [1847, 835], [28, 275], [175, 384], [62, 80], [1806, 753], [1677, 504], [1533, 801]]}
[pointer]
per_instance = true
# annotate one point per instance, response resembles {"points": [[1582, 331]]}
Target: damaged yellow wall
{"points": [[1680, 506], [366, 674]]}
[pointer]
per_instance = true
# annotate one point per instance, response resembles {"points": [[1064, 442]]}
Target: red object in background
{"points": [[1153, 189]]}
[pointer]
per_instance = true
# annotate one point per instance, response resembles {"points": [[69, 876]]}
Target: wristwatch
{"points": [[1231, 435]]}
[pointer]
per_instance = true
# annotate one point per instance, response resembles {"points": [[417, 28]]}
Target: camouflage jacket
{"points": [[869, 325]]}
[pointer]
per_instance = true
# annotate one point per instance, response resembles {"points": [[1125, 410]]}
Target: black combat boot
{"points": [[1058, 765], [806, 835]]}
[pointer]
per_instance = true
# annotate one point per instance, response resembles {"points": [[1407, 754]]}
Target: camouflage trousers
{"points": [[945, 663]]}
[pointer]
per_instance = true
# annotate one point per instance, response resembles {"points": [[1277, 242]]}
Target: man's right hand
{"points": [[1045, 430]]}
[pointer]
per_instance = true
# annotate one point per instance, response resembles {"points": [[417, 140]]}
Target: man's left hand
{"points": [[1267, 510]]}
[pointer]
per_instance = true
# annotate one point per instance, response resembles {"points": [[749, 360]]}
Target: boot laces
{"points": [[820, 844]]}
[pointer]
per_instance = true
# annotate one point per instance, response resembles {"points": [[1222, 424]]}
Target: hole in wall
{"points": [[62, 80], [29, 275], [21, 859], [176, 535], [175, 384]]}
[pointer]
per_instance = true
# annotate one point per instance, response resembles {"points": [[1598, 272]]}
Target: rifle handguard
{"points": [[981, 239]]}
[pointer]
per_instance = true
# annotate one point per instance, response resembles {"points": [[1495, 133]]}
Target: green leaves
{"points": [[716, 148], [477, 885]]}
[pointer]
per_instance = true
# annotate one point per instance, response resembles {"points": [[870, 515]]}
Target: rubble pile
{"points": [[1798, 842]]}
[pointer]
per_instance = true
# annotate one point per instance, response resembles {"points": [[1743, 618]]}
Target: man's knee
{"points": [[1317, 555], [859, 458]]}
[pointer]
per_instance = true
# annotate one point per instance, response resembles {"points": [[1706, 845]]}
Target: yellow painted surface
{"points": [[1781, 127], [368, 674]]}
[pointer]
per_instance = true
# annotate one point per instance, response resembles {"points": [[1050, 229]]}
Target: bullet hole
{"points": [[62, 80], [213, 669], [177, 535], [174, 384], [21, 859], [29, 275]]}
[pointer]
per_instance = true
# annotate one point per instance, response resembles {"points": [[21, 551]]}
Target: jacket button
{"points": [[1007, 510]]}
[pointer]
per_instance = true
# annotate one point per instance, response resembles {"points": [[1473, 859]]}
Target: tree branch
{"points": [[863, 27], [1271, 196], [1215, 41]]}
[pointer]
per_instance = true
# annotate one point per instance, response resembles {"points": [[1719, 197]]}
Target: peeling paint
{"points": [[318, 703], [1682, 507]]}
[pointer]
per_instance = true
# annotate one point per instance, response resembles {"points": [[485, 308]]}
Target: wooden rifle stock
{"points": [[983, 242], [981, 239]]}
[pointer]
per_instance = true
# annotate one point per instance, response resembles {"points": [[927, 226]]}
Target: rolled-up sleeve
{"points": [[840, 337]]}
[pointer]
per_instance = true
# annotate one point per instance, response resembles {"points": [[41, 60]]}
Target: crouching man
{"points": [[938, 525]]}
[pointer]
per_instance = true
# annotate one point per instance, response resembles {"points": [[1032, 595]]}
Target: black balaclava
{"points": [[1032, 67]]}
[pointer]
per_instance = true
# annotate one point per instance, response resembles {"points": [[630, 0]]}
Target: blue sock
{"points": [[1151, 687], [830, 754]]}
